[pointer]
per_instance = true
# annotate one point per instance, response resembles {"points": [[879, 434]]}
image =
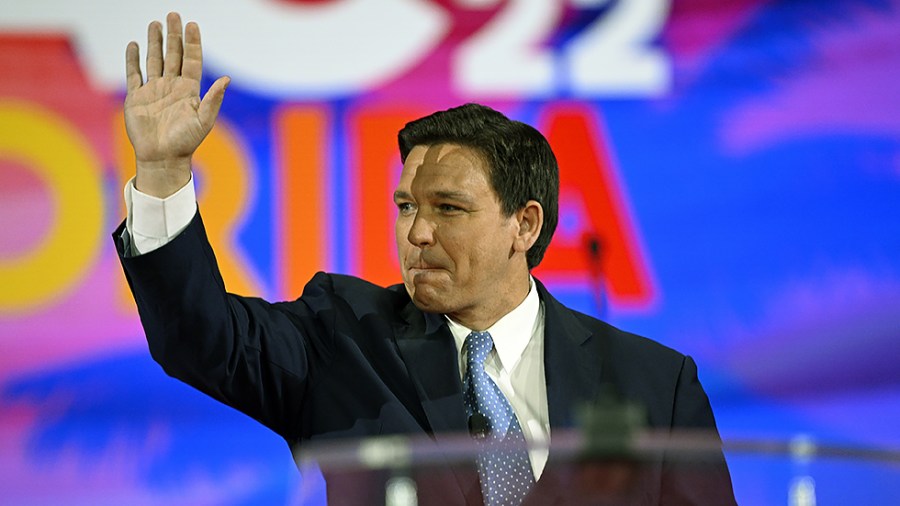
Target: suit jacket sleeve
{"points": [[685, 480], [245, 352]]}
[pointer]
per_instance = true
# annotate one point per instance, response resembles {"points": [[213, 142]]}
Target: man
{"points": [[469, 341]]}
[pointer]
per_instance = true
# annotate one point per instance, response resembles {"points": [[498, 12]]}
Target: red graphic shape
{"points": [[588, 174]]}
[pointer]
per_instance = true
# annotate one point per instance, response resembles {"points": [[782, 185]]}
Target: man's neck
{"points": [[483, 318]]}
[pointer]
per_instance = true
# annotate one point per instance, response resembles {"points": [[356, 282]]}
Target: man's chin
{"points": [[426, 306], [428, 298]]}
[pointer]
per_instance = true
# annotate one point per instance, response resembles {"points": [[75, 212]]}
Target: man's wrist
{"points": [[162, 178]]}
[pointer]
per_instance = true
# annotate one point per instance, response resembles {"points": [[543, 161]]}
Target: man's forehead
{"points": [[445, 170], [441, 155], [432, 153]]}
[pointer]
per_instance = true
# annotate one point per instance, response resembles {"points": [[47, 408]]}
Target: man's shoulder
{"points": [[618, 346], [358, 294], [640, 368], [348, 284], [619, 340]]}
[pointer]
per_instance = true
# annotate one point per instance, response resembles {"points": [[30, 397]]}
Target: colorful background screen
{"points": [[737, 163]]}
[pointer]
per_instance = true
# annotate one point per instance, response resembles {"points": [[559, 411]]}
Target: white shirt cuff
{"points": [[153, 222]]}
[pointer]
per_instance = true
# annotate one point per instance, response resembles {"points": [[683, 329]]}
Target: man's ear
{"points": [[530, 220]]}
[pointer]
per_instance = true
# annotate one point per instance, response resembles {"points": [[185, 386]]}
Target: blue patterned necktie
{"points": [[503, 465]]}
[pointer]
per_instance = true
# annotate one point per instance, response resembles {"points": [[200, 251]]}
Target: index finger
{"points": [[192, 68], [133, 78]]}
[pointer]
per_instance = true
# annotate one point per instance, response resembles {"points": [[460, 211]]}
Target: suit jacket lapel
{"points": [[573, 374], [430, 355]]}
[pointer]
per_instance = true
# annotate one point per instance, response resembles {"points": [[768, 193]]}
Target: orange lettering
{"points": [[301, 210]]}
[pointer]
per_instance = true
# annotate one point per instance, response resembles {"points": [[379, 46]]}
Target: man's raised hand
{"points": [[165, 118]]}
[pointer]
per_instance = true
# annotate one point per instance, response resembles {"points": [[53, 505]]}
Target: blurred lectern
{"points": [[611, 460], [401, 471]]}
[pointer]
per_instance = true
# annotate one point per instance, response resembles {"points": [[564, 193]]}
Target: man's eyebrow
{"points": [[402, 195], [452, 195]]}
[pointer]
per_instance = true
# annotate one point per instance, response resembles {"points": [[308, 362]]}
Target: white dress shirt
{"points": [[516, 364]]}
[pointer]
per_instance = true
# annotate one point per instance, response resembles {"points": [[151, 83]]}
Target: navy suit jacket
{"points": [[350, 359]]}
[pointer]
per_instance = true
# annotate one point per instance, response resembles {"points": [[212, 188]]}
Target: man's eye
{"points": [[448, 208], [405, 207]]}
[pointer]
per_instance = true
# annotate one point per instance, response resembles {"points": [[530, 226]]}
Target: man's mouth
{"points": [[422, 268]]}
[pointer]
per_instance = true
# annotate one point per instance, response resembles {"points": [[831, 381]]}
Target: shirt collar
{"points": [[511, 333]]}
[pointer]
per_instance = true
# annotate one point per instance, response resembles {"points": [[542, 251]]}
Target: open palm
{"points": [[162, 119], [165, 118]]}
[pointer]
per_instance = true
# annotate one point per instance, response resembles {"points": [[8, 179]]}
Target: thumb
{"points": [[212, 101]]}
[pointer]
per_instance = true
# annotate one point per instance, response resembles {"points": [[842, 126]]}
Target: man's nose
{"points": [[421, 233]]}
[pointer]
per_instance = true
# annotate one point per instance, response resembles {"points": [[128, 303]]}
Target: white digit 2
{"points": [[614, 56], [505, 57]]}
